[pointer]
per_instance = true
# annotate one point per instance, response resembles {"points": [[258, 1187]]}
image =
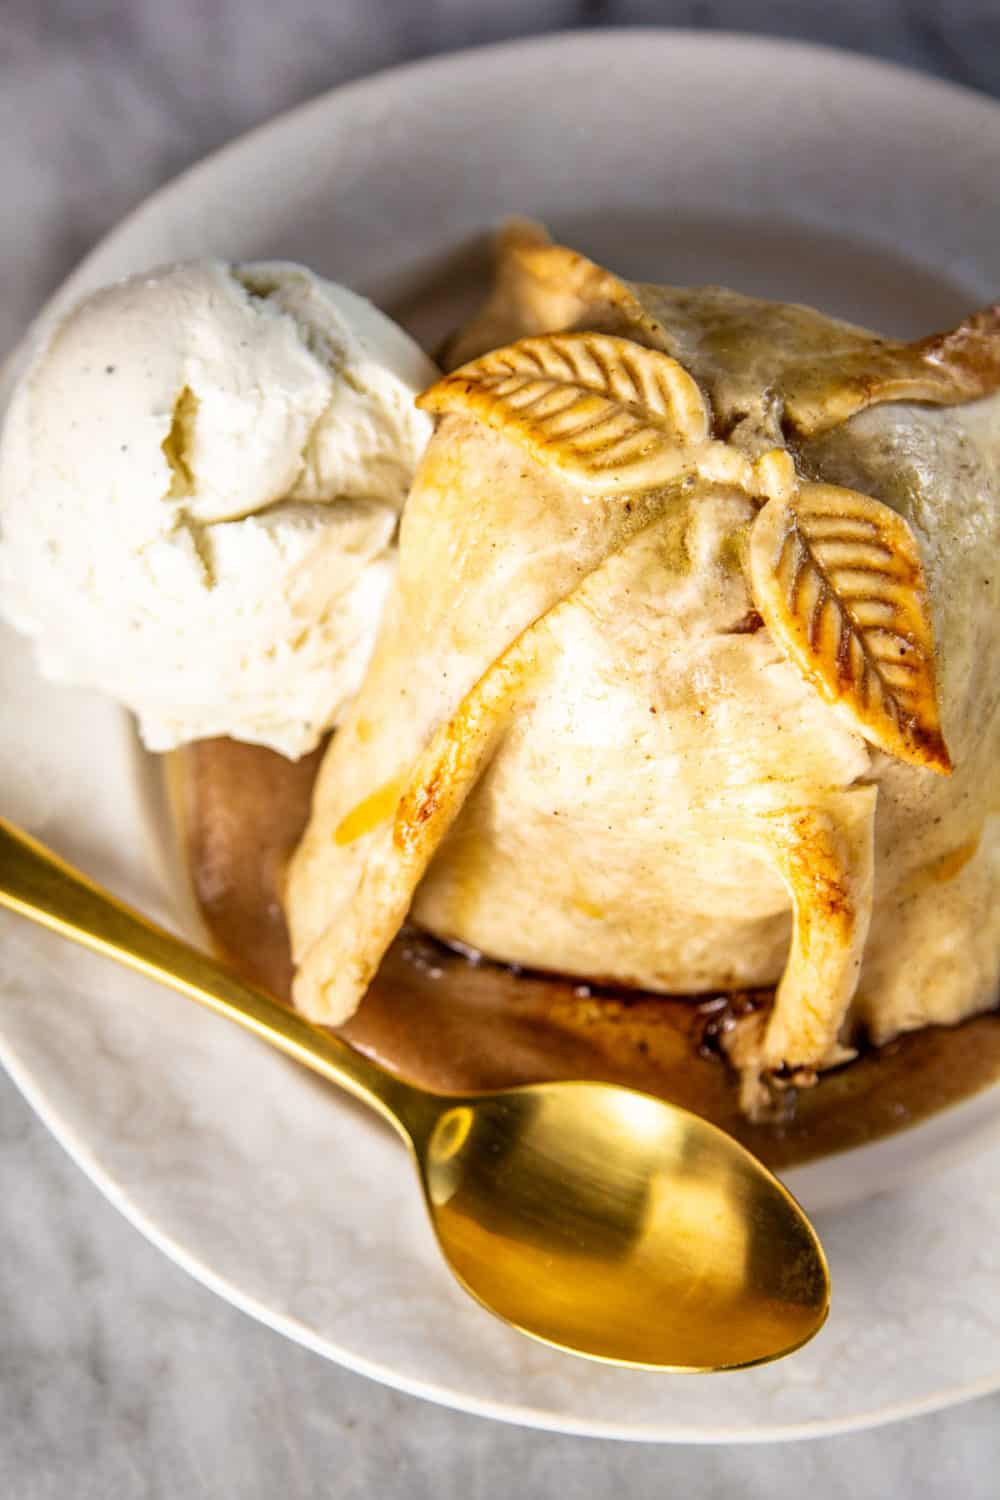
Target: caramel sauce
{"points": [[434, 1017], [373, 810]]}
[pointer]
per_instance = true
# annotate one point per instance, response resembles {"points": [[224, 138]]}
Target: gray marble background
{"points": [[120, 1378]]}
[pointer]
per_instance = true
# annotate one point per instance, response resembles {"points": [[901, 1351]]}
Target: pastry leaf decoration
{"points": [[835, 575], [609, 414], [838, 580]]}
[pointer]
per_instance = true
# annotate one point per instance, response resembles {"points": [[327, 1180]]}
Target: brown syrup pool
{"points": [[437, 1019]]}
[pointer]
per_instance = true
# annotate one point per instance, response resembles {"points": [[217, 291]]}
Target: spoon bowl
{"points": [[592, 1217], [605, 1221]]}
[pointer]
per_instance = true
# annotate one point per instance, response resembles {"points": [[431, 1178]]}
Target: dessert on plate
{"points": [[681, 685]]}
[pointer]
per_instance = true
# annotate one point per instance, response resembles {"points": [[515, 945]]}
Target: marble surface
{"points": [[119, 1376]]}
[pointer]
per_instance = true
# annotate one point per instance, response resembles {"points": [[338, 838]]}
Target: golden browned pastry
{"points": [[685, 682]]}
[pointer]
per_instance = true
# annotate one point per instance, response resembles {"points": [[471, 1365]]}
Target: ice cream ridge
{"points": [[201, 476], [681, 683]]}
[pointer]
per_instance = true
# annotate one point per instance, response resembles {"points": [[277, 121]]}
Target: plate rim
{"points": [[534, 1418], [574, 37]]}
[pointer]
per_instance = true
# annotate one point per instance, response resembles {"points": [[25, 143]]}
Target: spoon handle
{"points": [[39, 885]]}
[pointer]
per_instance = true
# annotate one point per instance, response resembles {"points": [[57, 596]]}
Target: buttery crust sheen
{"points": [[602, 735]]}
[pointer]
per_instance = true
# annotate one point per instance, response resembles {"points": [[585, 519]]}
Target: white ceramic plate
{"points": [[781, 170]]}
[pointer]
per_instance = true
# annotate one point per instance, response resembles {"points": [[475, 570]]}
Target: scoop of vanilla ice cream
{"points": [[201, 473]]}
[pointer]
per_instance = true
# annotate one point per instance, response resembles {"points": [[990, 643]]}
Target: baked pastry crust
{"points": [[693, 601]]}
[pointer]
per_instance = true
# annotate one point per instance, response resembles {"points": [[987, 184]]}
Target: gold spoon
{"points": [[589, 1216]]}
